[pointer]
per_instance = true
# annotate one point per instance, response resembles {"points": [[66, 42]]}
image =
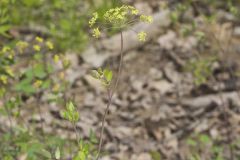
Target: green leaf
{"points": [[65, 24], [70, 107], [25, 86], [4, 29], [70, 113], [31, 3], [108, 75], [191, 142], [93, 137], [38, 56], [46, 84], [80, 156], [44, 153], [39, 71], [95, 74], [205, 139], [57, 153], [155, 155]]}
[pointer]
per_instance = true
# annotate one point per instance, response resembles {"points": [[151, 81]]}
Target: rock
{"points": [[214, 133], [131, 55], [171, 73], [112, 147], [94, 83], [167, 41], [173, 144], [73, 58], [236, 31], [188, 16], [225, 16], [155, 74], [90, 100], [162, 86], [121, 132], [72, 75], [137, 85], [186, 44], [142, 156], [93, 58], [143, 8], [204, 125], [105, 158]]}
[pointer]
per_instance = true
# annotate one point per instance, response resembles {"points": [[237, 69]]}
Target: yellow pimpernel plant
{"points": [[119, 18]]}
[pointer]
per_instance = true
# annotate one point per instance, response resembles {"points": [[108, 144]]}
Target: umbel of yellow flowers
{"points": [[121, 17]]}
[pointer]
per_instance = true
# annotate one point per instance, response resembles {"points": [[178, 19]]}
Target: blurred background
{"points": [[178, 96]]}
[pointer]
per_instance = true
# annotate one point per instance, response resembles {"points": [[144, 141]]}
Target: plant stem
{"points": [[40, 114], [76, 132], [9, 119], [110, 95]]}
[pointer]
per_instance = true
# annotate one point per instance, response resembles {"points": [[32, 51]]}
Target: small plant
{"points": [[4, 17], [85, 150], [201, 69], [118, 18], [28, 70], [203, 147]]}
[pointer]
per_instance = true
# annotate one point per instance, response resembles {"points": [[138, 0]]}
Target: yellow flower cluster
{"points": [[39, 40], [36, 47], [49, 45], [21, 46], [147, 19], [56, 58], [93, 19], [142, 36], [3, 79], [6, 55], [9, 71], [119, 16], [37, 83], [96, 32]]}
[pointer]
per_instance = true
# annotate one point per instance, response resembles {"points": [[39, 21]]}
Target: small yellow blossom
{"points": [[39, 39], [56, 88], [61, 75], [96, 33], [117, 15], [134, 11], [21, 45], [6, 49], [36, 47], [3, 79], [49, 45], [56, 58], [66, 63], [9, 71], [93, 19], [10, 56], [37, 83], [142, 36], [147, 19]]}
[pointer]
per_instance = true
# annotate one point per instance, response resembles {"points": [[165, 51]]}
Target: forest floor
{"points": [[159, 103]]}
